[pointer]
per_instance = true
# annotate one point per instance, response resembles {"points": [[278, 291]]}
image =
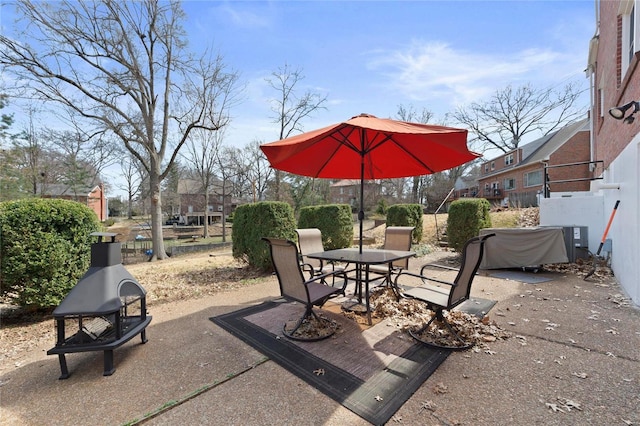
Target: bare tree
{"points": [[289, 108], [83, 156], [511, 113], [124, 67], [130, 171], [226, 175], [204, 145], [201, 155], [257, 170], [425, 116]]}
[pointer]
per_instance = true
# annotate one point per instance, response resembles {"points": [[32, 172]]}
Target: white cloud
{"points": [[244, 17], [435, 70]]}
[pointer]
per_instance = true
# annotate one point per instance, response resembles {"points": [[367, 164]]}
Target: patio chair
{"points": [[293, 286], [310, 241], [443, 296], [395, 238]]}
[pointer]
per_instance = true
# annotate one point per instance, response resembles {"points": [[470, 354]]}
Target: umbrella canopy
{"points": [[367, 147]]}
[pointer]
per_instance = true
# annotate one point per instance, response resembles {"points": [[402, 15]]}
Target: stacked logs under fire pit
{"points": [[103, 311]]}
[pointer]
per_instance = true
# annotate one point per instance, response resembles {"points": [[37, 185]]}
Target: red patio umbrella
{"points": [[366, 147]]}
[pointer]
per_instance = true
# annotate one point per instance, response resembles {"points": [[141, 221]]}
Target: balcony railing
{"points": [[493, 193]]}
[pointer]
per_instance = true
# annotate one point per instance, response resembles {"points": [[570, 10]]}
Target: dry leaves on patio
{"points": [[313, 328], [408, 314]]}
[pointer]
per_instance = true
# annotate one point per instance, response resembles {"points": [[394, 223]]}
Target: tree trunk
{"points": [[206, 213], [156, 218]]}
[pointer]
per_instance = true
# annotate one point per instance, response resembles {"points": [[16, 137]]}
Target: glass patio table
{"points": [[362, 260]]}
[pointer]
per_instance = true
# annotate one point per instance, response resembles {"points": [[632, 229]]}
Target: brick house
{"points": [[614, 55], [347, 191], [516, 178], [92, 197], [191, 204]]}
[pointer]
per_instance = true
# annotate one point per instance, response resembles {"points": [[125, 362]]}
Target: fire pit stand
{"points": [[106, 309]]}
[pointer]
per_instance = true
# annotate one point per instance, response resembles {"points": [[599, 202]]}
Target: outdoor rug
{"points": [[523, 277], [371, 372]]}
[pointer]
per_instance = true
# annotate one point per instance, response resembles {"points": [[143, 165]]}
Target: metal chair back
{"points": [[310, 241], [470, 262], [284, 255], [398, 238]]}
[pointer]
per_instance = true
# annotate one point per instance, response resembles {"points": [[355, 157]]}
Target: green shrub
{"points": [[406, 215], [382, 207], [465, 220], [45, 248], [333, 220], [252, 222]]}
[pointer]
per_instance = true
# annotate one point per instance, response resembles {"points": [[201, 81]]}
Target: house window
{"points": [[629, 34], [508, 159], [486, 168], [510, 183], [601, 99], [486, 187], [533, 178], [493, 165]]}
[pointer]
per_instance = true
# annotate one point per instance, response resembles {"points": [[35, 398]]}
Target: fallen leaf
{"points": [[427, 405], [440, 388], [569, 404], [554, 407]]}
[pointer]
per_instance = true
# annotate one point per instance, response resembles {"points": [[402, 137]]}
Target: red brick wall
{"points": [[575, 150], [196, 201], [612, 136], [96, 202]]}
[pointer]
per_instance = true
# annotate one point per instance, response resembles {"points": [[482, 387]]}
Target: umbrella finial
{"points": [[365, 115]]}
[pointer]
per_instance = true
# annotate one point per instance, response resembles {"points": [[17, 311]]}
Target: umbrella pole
{"points": [[361, 212]]}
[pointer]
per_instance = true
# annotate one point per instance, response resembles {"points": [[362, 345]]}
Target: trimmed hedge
{"points": [[45, 248], [252, 222], [335, 221], [406, 215], [466, 218]]}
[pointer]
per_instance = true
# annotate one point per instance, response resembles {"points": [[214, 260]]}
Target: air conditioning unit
{"points": [[576, 240]]}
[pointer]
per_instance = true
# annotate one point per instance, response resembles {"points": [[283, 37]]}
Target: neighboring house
{"points": [[614, 55], [465, 187], [516, 178], [347, 191], [92, 197], [192, 209]]}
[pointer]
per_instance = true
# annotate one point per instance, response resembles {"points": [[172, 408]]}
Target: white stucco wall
{"points": [[625, 228], [575, 211], [594, 211]]}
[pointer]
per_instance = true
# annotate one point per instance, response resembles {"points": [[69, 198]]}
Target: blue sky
{"points": [[371, 56]]}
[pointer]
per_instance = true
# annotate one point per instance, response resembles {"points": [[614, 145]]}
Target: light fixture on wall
{"points": [[619, 112]]}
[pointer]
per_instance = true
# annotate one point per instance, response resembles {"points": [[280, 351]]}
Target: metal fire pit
{"points": [[103, 311]]}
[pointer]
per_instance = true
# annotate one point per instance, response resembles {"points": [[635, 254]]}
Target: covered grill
{"points": [[103, 311]]}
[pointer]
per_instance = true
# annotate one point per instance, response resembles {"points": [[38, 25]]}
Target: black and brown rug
{"points": [[371, 372]]}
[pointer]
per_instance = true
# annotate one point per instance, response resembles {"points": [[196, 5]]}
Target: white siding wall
{"points": [[594, 212]]}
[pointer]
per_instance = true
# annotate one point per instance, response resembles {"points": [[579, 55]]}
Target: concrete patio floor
{"points": [[574, 358]]}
